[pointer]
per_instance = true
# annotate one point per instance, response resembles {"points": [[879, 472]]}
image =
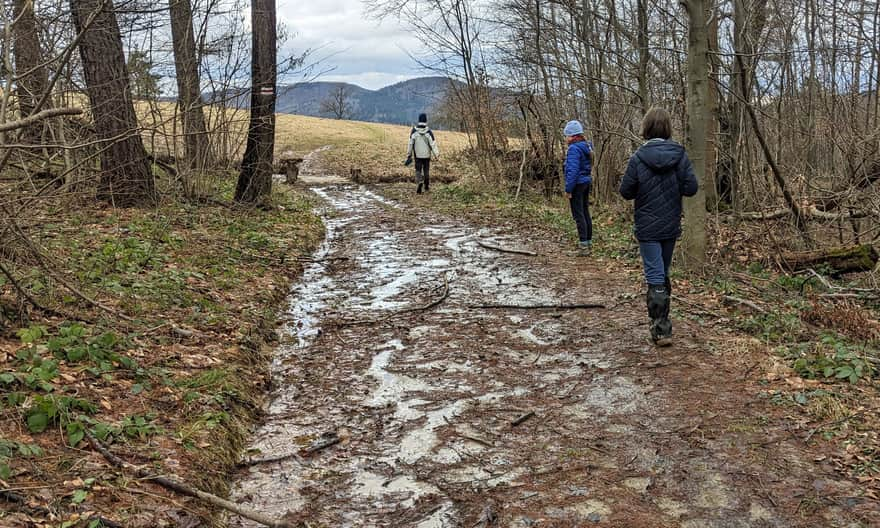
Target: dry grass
{"points": [[377, 149]]}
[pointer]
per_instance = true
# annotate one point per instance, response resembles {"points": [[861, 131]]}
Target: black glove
{"points": [[408, 161]]}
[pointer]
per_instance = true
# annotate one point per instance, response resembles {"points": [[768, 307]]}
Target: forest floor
{"points": [[414, 388], [170, 373]]}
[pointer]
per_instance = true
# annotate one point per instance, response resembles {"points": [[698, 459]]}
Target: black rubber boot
{"points": [[658, 311]]}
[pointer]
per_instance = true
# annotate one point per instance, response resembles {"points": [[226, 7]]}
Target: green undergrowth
{"points": [[179, 380]]}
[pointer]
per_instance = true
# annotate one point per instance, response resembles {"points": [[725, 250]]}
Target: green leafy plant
{"points": [[10, 449], [51, 409], [834, 358]]}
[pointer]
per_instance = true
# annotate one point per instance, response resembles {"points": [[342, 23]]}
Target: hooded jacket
{"points": [[658, 175], [577, 165], [422, 143]]}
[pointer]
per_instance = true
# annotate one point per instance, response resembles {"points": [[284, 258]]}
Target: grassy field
{"points": [[377, 149]]}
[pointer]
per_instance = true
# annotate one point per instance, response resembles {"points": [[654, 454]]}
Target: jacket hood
{"points": [[661, 156], [422, 128]]}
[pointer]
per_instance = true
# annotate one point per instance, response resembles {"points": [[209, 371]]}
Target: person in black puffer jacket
{"points": [[657, 177]]}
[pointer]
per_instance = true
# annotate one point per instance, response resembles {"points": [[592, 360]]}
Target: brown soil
{"points": [[623, 434]]}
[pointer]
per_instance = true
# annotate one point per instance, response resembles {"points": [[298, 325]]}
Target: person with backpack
{"points": [[578, 180], [422, 146], [659, 174]]}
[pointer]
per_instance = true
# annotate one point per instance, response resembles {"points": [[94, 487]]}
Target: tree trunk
{"points": [[33, 78], [126, 178], [189, 97], [255, 180], [694, 235], [712, 191]]}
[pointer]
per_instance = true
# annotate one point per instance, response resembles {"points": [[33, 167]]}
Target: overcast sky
{"points": [[361, 50]]}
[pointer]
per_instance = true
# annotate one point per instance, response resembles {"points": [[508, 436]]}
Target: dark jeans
{"points": [[423, 168], [580, 210], [657, 259]]}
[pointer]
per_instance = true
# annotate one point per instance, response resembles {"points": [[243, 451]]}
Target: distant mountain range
{"points": [[398, 104]]}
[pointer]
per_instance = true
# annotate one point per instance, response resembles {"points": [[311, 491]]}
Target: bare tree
{"points": [[189, 96], [255, 180], [694, 235], [33, 77], [126, 178], [339, 103]]}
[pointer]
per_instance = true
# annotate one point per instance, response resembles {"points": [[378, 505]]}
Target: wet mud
{"points": [[423, 402]]}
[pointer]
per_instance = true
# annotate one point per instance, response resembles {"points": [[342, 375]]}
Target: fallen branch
{"points": [[522, 418], [39, 116], [323, 443], [750, 304], [587, 306], [270, 460], [432, 304], [183, 489], [501, 249], [25, 295], [476, 439]]}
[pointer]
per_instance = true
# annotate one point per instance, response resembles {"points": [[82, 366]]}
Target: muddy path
{"points": [[423, 402]]}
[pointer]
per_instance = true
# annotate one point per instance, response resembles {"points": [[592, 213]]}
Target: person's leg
{"points": [[652, 260], [657, 298], [419, 175], [577, 212], [587, 217], [426, 174], [668, 248]]}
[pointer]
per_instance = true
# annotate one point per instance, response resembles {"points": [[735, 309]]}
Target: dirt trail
{"points": [[622, 435]]}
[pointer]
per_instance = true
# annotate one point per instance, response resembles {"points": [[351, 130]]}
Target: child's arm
{"points": [[572, 167]]}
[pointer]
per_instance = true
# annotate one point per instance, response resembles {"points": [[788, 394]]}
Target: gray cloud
{"points": [[358, 48]]}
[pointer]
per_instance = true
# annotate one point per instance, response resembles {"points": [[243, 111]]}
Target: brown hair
{"points": [[657, 124]]}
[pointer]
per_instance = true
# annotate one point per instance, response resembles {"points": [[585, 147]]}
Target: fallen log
{"points": [[183, 489], [845, 259]]}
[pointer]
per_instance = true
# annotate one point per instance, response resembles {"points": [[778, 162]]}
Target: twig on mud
{"points": [[432, 304], [323, 443], [271, 460], [475, 439], [586, 306], [183, 489], [522, 418], [501, 249]]}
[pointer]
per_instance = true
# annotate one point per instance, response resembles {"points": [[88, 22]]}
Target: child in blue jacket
{"points": [[578, 180]]}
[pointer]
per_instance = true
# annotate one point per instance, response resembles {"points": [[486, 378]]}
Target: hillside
{"points": [[396, 104]]}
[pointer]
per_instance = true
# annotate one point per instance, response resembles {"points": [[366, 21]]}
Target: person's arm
{"points": [[687, 180], [434, 148], [409, 146], [572, 167], [629, 185]]}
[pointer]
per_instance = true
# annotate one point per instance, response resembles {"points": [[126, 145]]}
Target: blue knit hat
{"points": [[423, 118], [573, 128]]}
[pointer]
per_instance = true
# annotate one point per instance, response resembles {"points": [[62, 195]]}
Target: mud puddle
{"points": [[544, 417]]}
